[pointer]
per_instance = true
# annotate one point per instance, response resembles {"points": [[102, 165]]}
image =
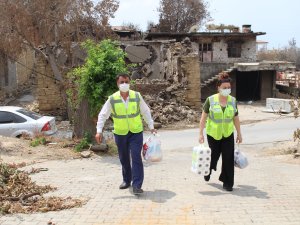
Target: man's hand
{"points": [[98, 138], [153, 131]]}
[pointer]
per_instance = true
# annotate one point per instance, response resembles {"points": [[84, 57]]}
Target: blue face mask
{"points": [[225, 92]]}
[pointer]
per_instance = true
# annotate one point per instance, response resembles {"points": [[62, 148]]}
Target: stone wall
{"points": [[176, 63], [248, 53], [207, 70], [16, 77], [190, 67], [25, 67], [48, 92]]}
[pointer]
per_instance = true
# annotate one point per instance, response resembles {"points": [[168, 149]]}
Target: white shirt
{"points": [[106, 111]]}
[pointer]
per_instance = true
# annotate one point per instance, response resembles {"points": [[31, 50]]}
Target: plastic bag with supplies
{"points": [[152, 149], [240, 159], [201, 160]]}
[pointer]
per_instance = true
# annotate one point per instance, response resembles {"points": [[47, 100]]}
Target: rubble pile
{"points": [[18, 194], [168, 105]]}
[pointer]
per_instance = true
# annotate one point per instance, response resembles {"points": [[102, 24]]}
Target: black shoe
{"points": [[207, 178], [137, 191], [124, 185], [227, 188]]}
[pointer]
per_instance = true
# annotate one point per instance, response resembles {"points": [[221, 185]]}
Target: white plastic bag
{"points": [[152, 149], [201, 160], [240, 159]]}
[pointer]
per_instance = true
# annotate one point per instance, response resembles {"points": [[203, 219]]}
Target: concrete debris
{"points": [[168, 106], [86, 154]]}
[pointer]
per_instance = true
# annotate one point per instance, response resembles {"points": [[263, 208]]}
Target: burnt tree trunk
{"points": [[83, 121]]}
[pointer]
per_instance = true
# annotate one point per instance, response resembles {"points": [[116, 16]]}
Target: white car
{"points": [[15, 121]]}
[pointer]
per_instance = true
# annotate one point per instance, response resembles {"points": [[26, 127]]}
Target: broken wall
{"points": [[174, 62], [49, 95], [190, 67]]}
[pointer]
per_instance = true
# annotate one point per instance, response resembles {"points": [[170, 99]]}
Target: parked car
{"points": [[16, 121]]}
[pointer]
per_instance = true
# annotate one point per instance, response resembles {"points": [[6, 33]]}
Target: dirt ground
{"points": [[283, 151], [14, 150]]}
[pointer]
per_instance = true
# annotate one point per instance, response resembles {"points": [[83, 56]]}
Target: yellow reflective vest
{"points": [[126, 119], [220, 124]]}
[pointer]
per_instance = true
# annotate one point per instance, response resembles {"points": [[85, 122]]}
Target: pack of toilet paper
{"points": [[201, 160]]}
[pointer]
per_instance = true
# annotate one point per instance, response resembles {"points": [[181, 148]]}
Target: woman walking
{"points": [[220, 116]]}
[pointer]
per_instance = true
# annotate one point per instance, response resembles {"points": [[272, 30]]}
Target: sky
{"points": [[278, 18]]}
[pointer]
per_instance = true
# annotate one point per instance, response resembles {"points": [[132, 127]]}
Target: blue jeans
{"points": [[131, 145]]}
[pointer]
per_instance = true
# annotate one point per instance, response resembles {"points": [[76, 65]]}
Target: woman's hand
{"points": [[201, 139], [239, 139]]}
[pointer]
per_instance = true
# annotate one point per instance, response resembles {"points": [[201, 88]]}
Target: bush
{"points": [[95, 80], [38, 141], [85, 142]]}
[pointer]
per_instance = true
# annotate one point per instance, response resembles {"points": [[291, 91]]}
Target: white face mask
{"points": [[225, 92], [124, 87]]}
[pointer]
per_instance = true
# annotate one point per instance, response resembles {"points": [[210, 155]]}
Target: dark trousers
{"points": [[131, 145], [225, 146]]}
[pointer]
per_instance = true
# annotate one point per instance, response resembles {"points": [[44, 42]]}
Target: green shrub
{"points": [[85, 142], [38, 141], [95, 80]]}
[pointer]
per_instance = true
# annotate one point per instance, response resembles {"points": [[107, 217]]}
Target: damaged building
{"points": [[180, 68], [233, 52]]}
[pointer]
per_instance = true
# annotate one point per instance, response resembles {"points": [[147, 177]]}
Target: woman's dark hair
{"points": [[223, 78], [122, 75]]}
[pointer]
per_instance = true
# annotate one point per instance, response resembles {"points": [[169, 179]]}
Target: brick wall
{"points": [[190, 68], [48, 92]]}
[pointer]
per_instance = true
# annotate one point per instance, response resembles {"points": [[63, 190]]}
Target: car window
{"points": [[19, 119], [8, 117], [30, 114]]}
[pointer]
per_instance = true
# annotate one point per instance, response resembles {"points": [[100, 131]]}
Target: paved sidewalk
{"points": [[267, 192]]}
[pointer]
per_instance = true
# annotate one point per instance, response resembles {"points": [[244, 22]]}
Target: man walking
{"points": [[126, 108]]}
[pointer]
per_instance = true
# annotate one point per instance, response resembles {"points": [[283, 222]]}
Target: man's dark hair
{"points": [[122, 75]]}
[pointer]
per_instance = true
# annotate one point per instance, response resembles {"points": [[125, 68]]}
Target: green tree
{"points": [[95, 80]]}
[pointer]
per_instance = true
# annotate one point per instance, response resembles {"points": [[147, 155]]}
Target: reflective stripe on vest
{"points": [[212, 103]]}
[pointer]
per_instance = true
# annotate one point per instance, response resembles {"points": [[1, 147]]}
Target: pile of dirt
{"points": [[167, 104], [19, 194]]}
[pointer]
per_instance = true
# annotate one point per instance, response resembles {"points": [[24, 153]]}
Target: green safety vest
{"points": [[220, 124], [129, 119]]}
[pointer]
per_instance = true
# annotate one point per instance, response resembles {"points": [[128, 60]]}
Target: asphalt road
{"points": [[266, 132]]}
